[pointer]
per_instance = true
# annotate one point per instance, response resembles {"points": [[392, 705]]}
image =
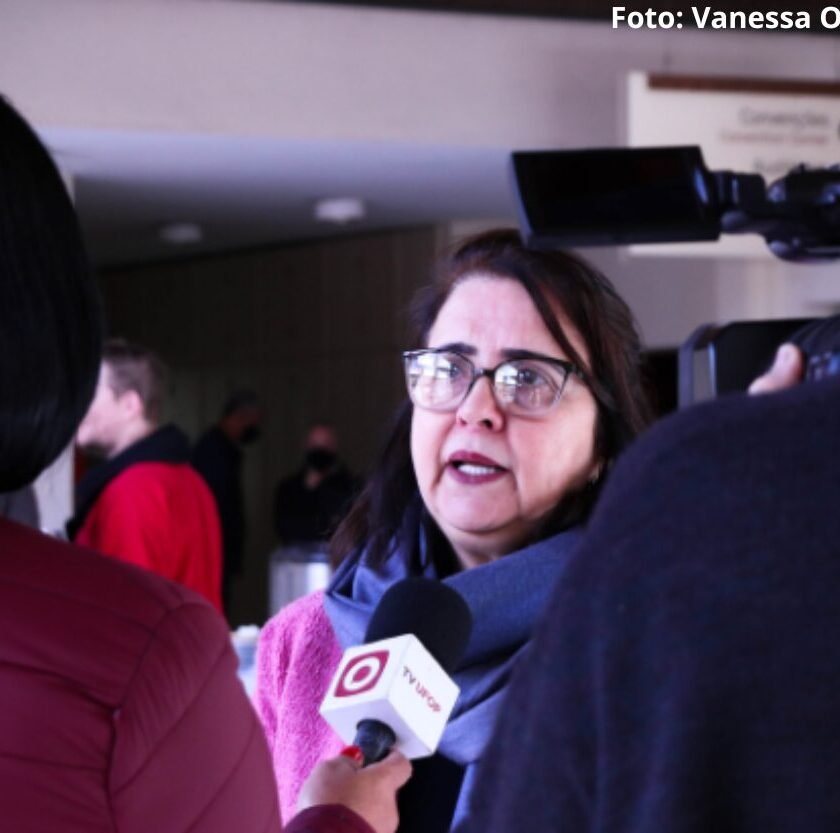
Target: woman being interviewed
{"points": [[525, 390]]}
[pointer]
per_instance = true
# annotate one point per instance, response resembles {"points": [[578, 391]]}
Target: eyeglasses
{"points": [[440, 380]]}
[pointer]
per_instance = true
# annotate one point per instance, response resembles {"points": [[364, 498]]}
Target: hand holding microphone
{"points": [[395, 691], [370, 792]]}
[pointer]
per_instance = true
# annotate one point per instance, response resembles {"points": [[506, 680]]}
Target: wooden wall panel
{"points": [[315, 328]]}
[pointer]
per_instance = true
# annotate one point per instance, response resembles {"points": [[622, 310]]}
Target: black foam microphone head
{"points": [[428, 609]]}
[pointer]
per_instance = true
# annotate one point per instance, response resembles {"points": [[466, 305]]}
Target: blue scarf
{"points": [[505, 597]]}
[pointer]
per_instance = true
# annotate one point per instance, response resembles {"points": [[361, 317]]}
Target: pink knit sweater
{"points": [[296, 659]]}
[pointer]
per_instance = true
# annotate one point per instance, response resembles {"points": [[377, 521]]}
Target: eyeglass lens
{"points": [[441, 381]]}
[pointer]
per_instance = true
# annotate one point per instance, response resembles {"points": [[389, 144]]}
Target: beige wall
{"points": [[315, 329], [321, 71], [310, 71]]}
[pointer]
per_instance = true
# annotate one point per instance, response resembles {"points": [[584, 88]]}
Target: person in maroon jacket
{"points": [[120, 708]]}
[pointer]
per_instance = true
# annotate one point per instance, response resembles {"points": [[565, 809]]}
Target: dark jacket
{"points": [[308, 515], [219, 461], [686, 675]]}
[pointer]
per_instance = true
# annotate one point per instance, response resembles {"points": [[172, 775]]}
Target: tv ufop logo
{"points": [[361, 674]]}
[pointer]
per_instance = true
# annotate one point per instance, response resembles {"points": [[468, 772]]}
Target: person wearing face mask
{"points": [[217, 457], [309, 505]]}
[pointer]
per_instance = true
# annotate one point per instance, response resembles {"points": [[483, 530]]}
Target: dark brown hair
{"points": [[553, 280]]}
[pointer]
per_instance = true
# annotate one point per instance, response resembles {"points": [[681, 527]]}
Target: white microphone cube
{"points": [[398, 682]]}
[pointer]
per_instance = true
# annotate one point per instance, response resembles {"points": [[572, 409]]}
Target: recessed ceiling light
{"points": [[340, 209], [181, 233]]}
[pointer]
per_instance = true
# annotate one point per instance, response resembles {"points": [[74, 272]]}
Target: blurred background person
{"points": [[523, 389], [217, 457], [144, 503], [310, 504]]}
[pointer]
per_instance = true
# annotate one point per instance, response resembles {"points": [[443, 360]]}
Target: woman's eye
{"points": [[440, 370], [435, 369], [449, 369], [530, 377]]}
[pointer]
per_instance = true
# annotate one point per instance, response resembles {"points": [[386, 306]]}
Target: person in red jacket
{"points": [[120, 708], [145, 504]]}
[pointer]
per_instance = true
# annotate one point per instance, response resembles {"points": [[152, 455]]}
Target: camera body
{"points": [[622, 196]]}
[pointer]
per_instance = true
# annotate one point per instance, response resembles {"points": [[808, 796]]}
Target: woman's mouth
{"points": [[472, 469]]}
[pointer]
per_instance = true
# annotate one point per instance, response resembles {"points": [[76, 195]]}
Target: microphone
{"points": [[394, 691]]}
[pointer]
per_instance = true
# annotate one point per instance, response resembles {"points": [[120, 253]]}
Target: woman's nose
{"points": [[480, 406]]}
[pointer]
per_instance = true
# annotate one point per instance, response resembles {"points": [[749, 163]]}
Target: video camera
{"points": [[612, 197]]}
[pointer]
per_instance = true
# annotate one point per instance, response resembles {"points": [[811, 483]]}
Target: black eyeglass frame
{"points": [[568, 368]]}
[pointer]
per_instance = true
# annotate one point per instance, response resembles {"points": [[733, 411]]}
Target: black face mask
{"points": [[320, 459], [249, 434]]}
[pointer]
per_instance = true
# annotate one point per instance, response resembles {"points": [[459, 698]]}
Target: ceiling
{"points": [[247, 192], [231, 125]]}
